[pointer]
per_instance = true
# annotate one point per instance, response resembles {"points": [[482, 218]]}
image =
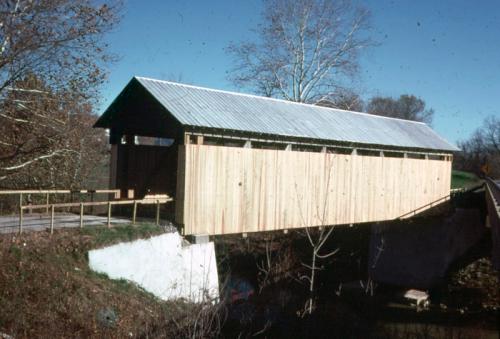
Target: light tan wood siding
{"points": [[225, 190]]}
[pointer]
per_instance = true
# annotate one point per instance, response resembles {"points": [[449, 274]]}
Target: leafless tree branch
{"points": [[306, 48]]}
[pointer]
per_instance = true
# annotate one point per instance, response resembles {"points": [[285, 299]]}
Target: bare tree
{"points": [[46, 138], [345, 99], [305, 49], [278, 262], [317, 237], [482, 148], [491, 128], [52, 59], [407, 107]]}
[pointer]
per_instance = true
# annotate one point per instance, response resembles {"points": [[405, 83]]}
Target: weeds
{"points": [[48, 290], [105, 236]]}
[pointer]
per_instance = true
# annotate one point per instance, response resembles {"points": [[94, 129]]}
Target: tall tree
{"points": [[52, 61], [482, 148], [407, 107], [345, 99], [304, 49]]}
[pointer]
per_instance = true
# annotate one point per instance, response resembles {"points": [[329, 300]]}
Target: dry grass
{"points": [[48, 291]]}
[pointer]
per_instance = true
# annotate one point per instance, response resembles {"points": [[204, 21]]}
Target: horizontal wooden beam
{"points": [[60, 191], [101, 203], [330, 145]]}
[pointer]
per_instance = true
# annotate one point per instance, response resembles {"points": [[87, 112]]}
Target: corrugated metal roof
{"points": [[203, 107]]}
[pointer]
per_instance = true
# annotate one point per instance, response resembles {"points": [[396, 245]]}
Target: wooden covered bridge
{"points": [[237, 163]]}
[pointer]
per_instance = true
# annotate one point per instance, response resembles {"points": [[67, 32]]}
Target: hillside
{"points": [[47, 289]]}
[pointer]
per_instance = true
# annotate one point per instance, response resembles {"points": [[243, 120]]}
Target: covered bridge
{"points": [[238, 163]]}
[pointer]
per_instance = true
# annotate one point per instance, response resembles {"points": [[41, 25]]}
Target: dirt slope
{"points": [[48, 291]]}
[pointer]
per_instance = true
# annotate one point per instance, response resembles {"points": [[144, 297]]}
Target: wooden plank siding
{"points": [[223, 190]]}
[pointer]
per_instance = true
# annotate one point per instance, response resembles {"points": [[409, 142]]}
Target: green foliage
{"points": [[462, 179]]}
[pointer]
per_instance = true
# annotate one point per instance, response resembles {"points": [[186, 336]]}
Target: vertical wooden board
{"points": [[368, 168], [378, 197], [421, 188], [408, 192], [291, 191], [392, 175], [447, 184], [398, 182], [212, 199], [233, 186], [256, 178], [354, 195], [202, 188], [179, 196], [366, 189], [384, 188], [363, 189], [343, 189], [284, 204], [308, 189], [330, 186], [192, 207], [348, 192], [231, 190], [369, 172], [425, 182], [339, 194], [245, 191], [403, 181], [270, 187], [359, 192], [219, 179], [380, 193], [414, 180]]}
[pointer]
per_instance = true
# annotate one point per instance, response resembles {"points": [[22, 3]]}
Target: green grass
{"points": [[461, 179], [105, 236]]}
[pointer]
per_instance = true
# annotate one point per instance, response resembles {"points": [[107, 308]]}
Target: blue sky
{"points": [[447, 52]]}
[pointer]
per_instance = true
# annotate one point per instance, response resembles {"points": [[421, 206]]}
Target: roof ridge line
{"points": [[279, 100]]}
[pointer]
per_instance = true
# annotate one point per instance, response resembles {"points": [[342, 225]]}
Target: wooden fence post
{"points": [[51, 219], [81, 215], [47, 202], [134, 212], [30, 202], [109, 214], [157, 212], [20, 219]]}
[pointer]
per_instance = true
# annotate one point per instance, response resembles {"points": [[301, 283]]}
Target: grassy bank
{"points": [[48, 291], [461, 179]]}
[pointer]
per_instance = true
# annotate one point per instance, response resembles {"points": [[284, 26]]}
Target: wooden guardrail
{"points": [[148, 200], [22, 193], [424, 207], [453, 192], [493, 204], [494, 187]]}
